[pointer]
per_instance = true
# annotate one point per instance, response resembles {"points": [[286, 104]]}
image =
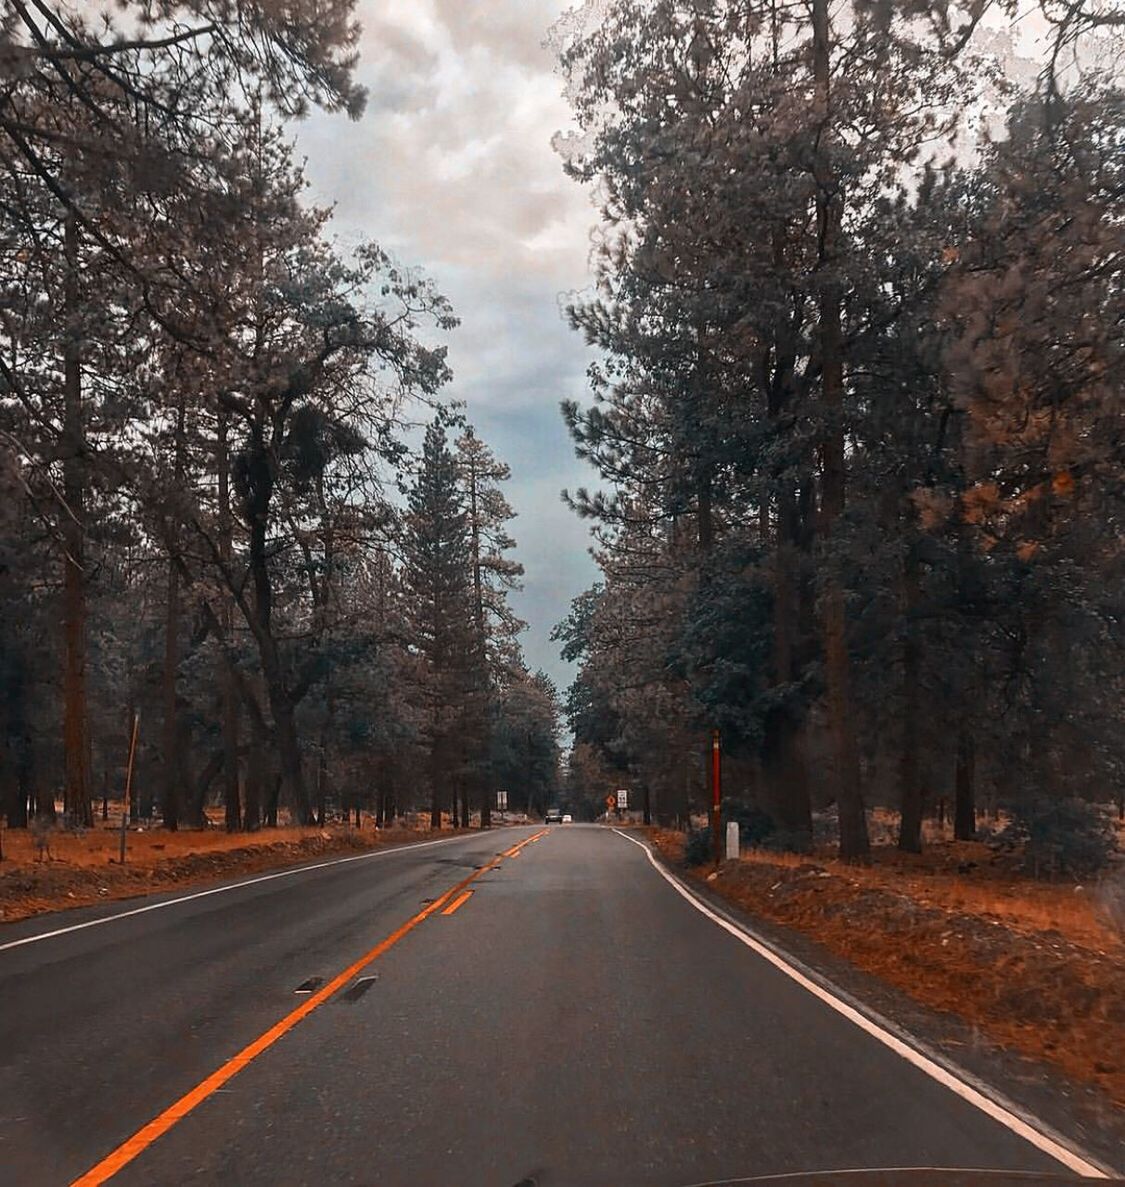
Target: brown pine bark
{"points": [[260, 484], [854, 842], [783, 766], [255, 782], [228, 695], [435, 783], [964, 788], [910, 789], [173, 798]]}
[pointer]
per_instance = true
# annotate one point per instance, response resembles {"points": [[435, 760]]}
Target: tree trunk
{"points": [[196, 807], [260, 481], [232, 806], [783, 765], [289, 754], [964, 788], [20, 747], [255, 781], [76, 724], [172, 796], [481, 660], [229, 708], [785, 777], [854, 843], [273, 800], [706, 525], [322, 758], [910, 790], [321, 782], [131, 718], [435, 784], [647, 802]]}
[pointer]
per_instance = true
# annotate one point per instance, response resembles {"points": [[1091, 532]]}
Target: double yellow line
{"points": [[134, 1146]]}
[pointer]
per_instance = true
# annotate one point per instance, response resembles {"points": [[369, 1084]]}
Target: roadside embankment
{"points": [[73, 869]]}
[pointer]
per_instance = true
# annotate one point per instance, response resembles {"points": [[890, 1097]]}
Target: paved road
{"points": [[575, 1020]]}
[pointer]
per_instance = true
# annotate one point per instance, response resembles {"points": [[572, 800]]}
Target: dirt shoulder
{"points": [[1039, 970], [84, 869]]}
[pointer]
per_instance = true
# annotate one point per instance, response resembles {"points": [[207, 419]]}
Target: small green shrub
{"points": [[697, 847], [1058, 838], [754, 825], [787, 840]]}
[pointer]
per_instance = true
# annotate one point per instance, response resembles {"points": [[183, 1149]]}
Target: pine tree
{"points": [[496, 650], [438, 572]]}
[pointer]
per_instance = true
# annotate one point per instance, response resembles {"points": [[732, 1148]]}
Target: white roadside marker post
{"points": [[732, 840]]}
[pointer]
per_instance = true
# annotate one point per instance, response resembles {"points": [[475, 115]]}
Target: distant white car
{"points": [[567, 818]]}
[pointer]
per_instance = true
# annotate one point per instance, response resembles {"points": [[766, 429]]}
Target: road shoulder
{"points": [[1087, 1116]]}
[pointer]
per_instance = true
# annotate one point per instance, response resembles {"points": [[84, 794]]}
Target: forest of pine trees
{"points": [[857, 416], [208, 411]]}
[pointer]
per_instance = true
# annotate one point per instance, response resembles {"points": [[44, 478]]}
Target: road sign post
{"points": [[610, 804], [126, 807]]}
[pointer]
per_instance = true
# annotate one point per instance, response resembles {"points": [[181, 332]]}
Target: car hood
{"points": [[913, 1177]]}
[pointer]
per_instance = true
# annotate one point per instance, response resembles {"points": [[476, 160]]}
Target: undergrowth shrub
{"points": [[697, 847], [1058, 838]]}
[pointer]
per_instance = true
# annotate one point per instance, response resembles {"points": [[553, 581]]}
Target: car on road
{"points": [[554, 816], [567, 818]]}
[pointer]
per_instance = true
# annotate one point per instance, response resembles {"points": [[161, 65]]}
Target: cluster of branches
{"points": [[202, 411], [858, 414]]}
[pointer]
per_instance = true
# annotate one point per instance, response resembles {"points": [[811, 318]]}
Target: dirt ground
{"points": [[83, 868], [1038, 967]]}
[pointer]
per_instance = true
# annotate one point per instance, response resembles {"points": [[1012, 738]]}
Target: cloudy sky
{"points": [[451, 168]]}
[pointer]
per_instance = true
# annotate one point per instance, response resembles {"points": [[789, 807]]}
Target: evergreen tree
{"points": [[438, 572]]}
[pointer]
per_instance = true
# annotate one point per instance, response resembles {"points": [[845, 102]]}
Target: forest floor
{"points": [[1036, 967], [83, 867]]}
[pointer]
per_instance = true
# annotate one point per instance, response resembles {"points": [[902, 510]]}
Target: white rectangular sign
{"points": [[623, 798], [502, 801]]}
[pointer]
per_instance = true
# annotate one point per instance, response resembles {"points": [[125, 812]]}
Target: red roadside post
{"points": [[716, 798]]}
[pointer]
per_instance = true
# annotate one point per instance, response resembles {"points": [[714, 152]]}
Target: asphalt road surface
{"points": [[574, 1020]]}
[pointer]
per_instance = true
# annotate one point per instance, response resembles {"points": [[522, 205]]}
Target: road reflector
{"points": [[358, 989]]}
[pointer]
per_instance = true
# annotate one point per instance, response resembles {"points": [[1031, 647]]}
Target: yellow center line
{"points": [[134, 1146], [459, 901]]}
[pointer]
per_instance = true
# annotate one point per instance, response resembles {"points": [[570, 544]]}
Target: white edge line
{"points": [[187, 898], [1006, 1113]]}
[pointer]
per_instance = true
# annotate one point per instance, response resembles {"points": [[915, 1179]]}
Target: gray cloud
{"points": [[452, 169]]}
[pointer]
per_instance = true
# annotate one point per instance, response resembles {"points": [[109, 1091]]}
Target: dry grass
{"points": [[99, 847], [83, 867], [1083, 915]]}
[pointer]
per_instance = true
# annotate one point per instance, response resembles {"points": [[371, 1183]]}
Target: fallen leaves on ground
{"points": [[83, 869]]}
